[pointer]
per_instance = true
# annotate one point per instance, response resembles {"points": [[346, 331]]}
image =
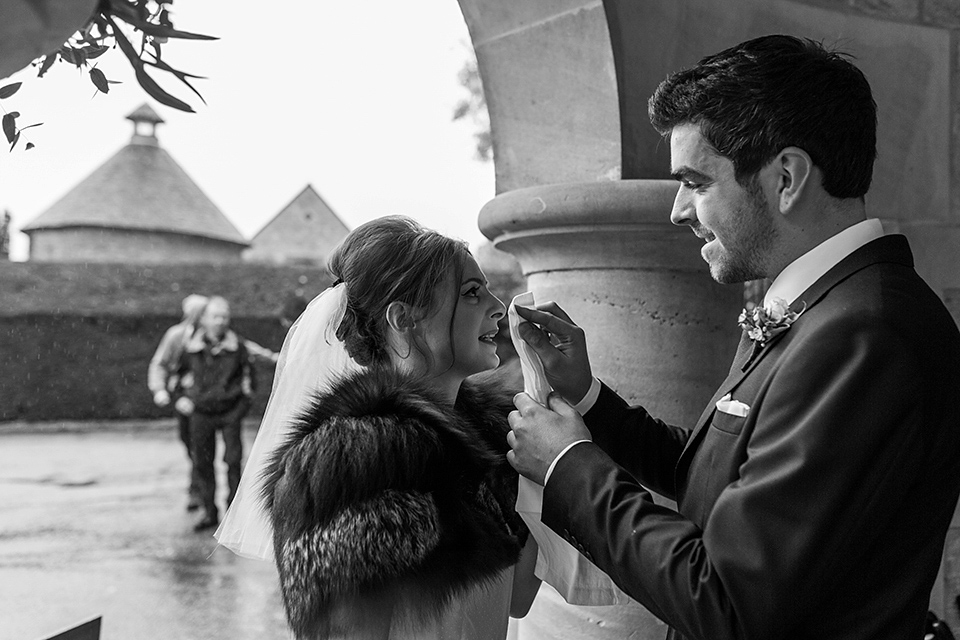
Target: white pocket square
{"points": [[732, 407]]}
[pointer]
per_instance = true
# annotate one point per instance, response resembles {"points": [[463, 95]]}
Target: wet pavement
{"points": [[93, 523]]}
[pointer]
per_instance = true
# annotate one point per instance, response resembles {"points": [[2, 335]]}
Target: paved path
{"points": [[92, 522]]}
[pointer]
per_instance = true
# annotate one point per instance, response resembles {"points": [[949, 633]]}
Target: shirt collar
{"points": [[810, 267], [229, 342]]}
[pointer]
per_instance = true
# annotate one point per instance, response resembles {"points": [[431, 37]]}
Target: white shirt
{"points": [[788, 285]]}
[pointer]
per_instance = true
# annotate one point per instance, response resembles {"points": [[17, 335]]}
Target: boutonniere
{"points": [[769, 320]]}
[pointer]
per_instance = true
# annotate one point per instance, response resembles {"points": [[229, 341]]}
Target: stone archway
{"points": [[566, 85]]}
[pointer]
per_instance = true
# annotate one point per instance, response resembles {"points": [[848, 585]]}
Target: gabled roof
{"points": [[141, 187], [306, 230]]}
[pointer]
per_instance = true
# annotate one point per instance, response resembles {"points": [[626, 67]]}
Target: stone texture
{"points": [[306, 231], [890, 9], [954, 139], [836, 5], [943, 13], [907, 65], [935, 249], [658, 328], [491, 19], [951, 298], [551, 94], [92, 244], [949, 588]]}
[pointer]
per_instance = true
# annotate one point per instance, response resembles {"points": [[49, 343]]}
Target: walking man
{"points": [[219, 384]]}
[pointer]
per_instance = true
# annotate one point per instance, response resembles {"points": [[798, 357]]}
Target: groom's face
{"points": [[735, 222]]}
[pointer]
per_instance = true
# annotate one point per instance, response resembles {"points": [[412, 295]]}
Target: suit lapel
{"points": [[744, 351], [891, 248]]}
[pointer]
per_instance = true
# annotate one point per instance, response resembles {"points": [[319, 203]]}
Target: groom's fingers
{"points": [[550, 317], [551, 307], [536, 338]]}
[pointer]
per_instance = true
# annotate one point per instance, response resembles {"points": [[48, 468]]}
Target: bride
{"points": [[378, 480]]}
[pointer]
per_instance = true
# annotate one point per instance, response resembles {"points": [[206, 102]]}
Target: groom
{"points": [[816, 489]]}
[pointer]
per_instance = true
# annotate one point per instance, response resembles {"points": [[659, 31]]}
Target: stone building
{"points": [[138, 206], [304, 232]]}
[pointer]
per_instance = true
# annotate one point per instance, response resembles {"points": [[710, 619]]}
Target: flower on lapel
{"points": [[769, 320]]}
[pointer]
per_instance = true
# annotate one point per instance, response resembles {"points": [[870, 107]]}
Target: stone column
{"points": [[659, 330]]}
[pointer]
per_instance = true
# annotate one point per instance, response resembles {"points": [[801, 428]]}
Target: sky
{"points": [[353, 98]]}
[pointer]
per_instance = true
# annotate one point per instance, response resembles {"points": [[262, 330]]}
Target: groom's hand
{"points": [[538, 434], [562, 347]]}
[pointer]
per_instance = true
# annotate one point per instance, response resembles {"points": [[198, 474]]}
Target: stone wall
{"points": [[134, 246]]}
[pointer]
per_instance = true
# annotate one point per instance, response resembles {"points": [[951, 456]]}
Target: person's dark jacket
{"points": [[220, 375], [817, 510], [381, 489]]}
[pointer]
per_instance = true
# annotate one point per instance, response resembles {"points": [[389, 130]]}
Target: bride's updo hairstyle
{"points": [[385, 260]]}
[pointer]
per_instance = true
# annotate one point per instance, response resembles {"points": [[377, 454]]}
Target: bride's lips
{"points": [[489, 337]]}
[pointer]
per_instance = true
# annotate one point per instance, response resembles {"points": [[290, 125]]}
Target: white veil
{"points": [[310, 358]]}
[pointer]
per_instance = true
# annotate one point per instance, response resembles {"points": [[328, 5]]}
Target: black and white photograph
{"points": [[480, 320]]}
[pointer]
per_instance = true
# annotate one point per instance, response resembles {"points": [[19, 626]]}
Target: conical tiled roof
{"points": [[306, 230], [141, 187]]}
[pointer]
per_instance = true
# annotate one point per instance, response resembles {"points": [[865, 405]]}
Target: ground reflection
{"points": [[94, 524]]}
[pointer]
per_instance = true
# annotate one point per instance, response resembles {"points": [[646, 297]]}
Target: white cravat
{"points": [[788, 285]]}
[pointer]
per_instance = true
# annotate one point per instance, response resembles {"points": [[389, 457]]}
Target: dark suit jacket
{"points": [[822, 513]]}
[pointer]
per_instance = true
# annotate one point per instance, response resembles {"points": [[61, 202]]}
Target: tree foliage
{"points": [[474, 108], [152, 27]]}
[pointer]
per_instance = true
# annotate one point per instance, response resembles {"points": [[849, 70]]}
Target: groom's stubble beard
{"points": [[748, 241]]}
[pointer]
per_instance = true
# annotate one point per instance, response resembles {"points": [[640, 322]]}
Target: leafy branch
{"points": [[150, 19], [9, 121]]}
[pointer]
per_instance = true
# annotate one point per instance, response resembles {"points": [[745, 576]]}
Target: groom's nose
{"points": [[683, 211]]}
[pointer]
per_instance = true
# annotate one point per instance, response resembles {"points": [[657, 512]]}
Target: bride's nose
{"points": [[497, 308]]}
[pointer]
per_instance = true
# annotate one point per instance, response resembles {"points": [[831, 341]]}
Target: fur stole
{"points": [[383, 491]]}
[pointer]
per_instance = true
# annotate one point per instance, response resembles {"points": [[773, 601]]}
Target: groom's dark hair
{"points": [[755, 99]]}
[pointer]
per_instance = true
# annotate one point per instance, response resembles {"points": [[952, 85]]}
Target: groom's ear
{"points": [[400, 317], [795, 175]]}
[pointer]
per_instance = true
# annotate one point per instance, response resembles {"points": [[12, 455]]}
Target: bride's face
{"points": [[460, 335]]}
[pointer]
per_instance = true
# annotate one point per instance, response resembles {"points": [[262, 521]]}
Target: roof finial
{"points": [[144, 116]]}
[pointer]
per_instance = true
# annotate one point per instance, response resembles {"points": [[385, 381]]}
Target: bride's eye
{"points": [[472, 292]]}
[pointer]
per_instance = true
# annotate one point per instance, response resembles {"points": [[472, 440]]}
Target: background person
{"points": [[164, 374], [217, 397]]}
